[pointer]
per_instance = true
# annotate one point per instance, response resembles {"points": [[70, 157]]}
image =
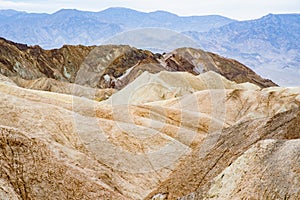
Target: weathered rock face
{"points": [[63, 64], [228, 171], [34, 62], [269, 170], [106, 65], [30, 169]]}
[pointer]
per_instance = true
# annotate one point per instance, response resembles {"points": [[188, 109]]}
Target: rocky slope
{"points": [[173, 127], [67, 147], [109, 66], [239, 161], [165, 85]]}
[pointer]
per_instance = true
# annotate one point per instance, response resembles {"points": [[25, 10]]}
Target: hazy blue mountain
{"points": [[269, 45], [9, 12], [131, 19], [70, 26], [51, 31]]}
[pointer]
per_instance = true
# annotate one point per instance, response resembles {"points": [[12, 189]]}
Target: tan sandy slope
{"points": [[180, 135]]}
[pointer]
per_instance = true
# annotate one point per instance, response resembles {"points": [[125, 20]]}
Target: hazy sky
{"points": [[237, 9]]}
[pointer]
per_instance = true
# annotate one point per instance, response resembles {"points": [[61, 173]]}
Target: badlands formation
{"points": [[115, 122]]}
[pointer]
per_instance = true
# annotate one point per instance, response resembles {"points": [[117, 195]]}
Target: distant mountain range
{"points": [[269, 45], [89, 28]]}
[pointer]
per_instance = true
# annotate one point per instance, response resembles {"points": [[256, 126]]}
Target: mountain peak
{"points": [[118, 10], [163, 13], [67, 11]]}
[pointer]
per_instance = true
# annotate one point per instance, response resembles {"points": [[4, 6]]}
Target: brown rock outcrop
{"points": [[112, 66], [198, 61], [33, 62]]}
